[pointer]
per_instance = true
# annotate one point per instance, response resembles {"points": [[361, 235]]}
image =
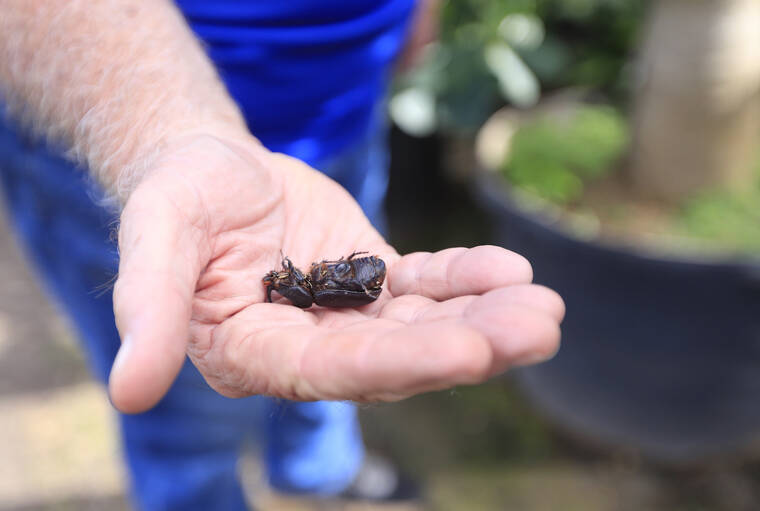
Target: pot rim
{"points": [[500, 195]]}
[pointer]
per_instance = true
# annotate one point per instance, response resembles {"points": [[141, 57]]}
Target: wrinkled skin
{"points": [[212, 217]]}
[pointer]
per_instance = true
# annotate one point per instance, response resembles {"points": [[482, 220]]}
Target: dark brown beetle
{"points": [[347, 282]]}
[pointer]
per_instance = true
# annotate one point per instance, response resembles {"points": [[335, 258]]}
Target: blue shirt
{"points": [[308, 74]]}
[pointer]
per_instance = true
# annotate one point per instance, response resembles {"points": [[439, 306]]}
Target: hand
{"points": [[211, 219]]}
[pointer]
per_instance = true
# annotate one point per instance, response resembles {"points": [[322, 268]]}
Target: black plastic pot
{"points": [[658, 355]]}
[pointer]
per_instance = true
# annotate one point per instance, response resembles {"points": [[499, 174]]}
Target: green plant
{"points": [[496, 52], [726, 218], [552, 158]]}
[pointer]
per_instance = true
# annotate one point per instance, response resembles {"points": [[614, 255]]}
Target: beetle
{"points": [[347, 282]]}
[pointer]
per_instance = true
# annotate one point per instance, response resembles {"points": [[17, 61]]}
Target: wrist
{"points": [[128, 174], [115, 82]]}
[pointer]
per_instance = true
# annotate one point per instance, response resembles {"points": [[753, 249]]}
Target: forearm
{"points": [[115, 81]]}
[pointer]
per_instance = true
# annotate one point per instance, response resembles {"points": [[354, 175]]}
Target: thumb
{"points": [[158, 271]]}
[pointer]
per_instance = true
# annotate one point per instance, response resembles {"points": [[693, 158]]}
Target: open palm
{"points": [[213, 217]]}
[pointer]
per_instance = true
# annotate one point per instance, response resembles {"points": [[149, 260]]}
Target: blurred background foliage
{"points": [[517, 53], [552, 158], [496, 52], [725, 217]]}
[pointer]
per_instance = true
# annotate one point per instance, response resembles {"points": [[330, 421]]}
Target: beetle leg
{"points": [[356, 254]]}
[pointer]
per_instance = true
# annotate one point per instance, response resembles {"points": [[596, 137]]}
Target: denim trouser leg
{"points": [[183, 453]]}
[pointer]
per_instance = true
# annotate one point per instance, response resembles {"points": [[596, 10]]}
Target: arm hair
{"points": [[114, 81]]}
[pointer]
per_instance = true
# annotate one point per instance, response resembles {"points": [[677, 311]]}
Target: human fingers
{"points": [[416, 308], [282, 351], [521, 322], [519, 334], [415, 345], [159, 266], [457, 272]]}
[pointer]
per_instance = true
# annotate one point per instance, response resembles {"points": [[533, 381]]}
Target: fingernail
{"points": [[533, 358], [123, 355]]}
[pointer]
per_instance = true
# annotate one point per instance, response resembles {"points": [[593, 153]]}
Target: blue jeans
{"points": [[183, 453]]}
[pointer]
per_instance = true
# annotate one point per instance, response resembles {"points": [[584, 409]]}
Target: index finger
{"points": [[457, 272]]}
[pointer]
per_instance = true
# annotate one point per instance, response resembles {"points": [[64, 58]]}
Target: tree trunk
{"points": [[697, 107]]}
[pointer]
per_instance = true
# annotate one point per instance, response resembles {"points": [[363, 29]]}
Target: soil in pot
{"points": [[568, 160]]}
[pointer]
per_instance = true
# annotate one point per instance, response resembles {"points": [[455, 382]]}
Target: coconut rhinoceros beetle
{"points": [[348, 282]]}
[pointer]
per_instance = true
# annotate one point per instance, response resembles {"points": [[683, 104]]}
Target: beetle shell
{"points": [[347, 282], [343, 298]]}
